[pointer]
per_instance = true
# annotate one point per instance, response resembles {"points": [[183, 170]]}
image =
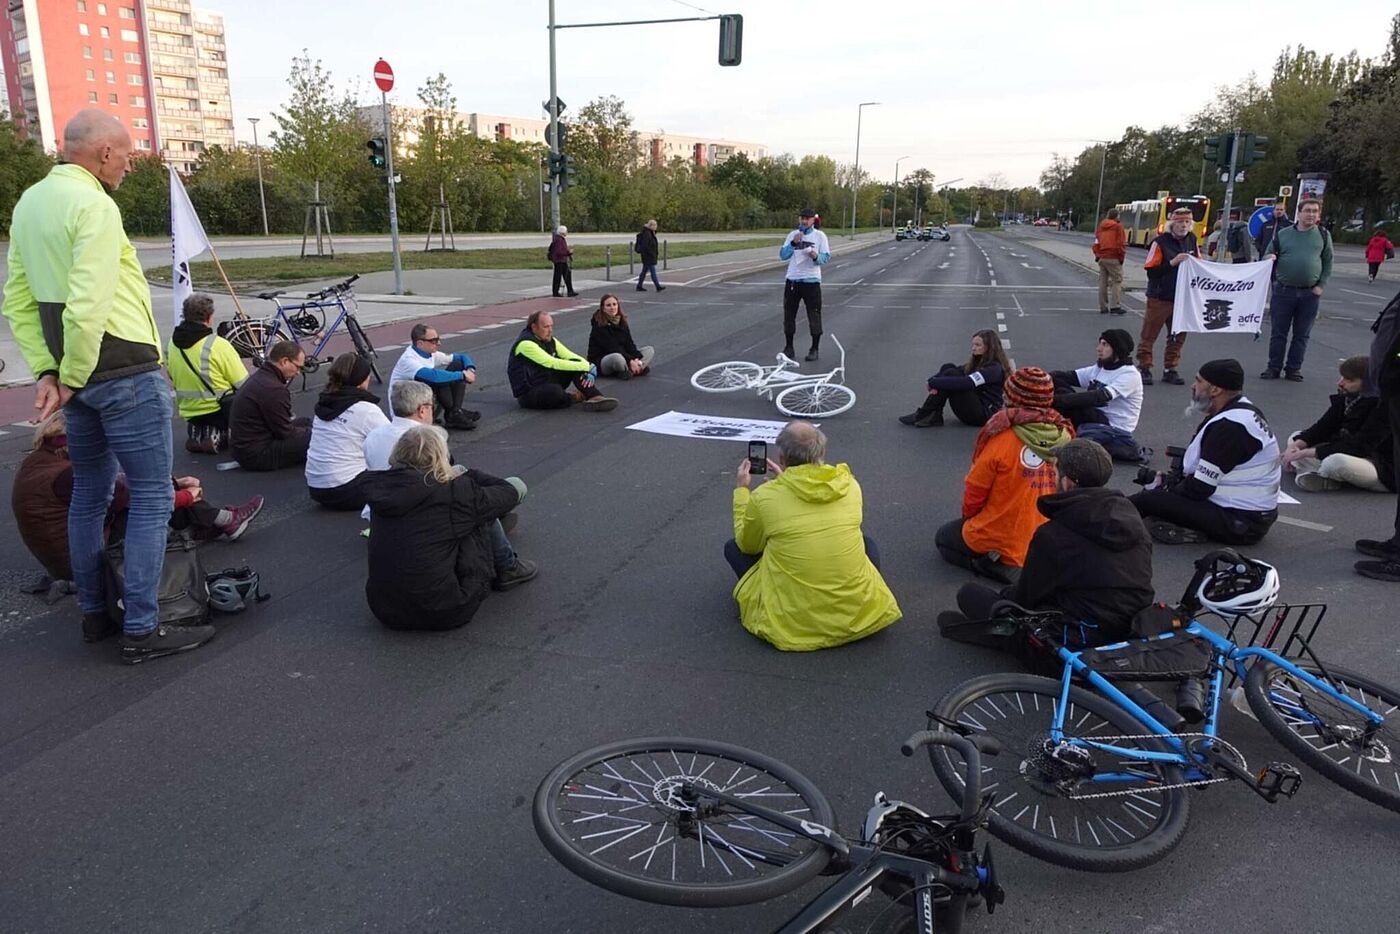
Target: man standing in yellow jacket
{"points": [[80, 310], [808, 578]]}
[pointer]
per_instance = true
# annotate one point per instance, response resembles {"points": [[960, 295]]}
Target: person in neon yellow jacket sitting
{"points": [[808, 578]]}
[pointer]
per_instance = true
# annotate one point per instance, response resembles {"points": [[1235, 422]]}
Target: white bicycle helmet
{"points": [[1240, 588]]}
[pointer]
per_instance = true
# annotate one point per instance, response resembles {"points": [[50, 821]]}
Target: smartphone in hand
{"points": [[758, 457]]}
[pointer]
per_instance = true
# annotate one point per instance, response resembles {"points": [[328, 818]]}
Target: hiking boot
{"points": [[1269, 374], [1375, 548], [1146, 375], [234, 528], [599, 404], [1387, 570], [1173, 377], [462, 420], [516, 574], [98, 626], [162, 641], [1316, 483]]}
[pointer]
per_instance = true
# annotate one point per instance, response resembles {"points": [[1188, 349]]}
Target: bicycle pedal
{"points": [[1278, 778]]}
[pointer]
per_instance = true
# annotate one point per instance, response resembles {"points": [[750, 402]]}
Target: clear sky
{"points": [[967, 88]]}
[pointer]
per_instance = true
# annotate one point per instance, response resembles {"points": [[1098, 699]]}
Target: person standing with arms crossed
{"points": [[80, 310], [806, 250], [1164, 255], [1110, 249], [1302, 265]]}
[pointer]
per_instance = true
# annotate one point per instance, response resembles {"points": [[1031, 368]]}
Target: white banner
{"points": [[187, 240], [1221, 298], [716, 427]]}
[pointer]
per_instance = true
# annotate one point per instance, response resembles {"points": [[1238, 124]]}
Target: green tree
{"points": [[144, 198], [22, 163], [320, 139]]}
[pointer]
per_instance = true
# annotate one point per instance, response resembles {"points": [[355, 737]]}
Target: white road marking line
{"points": [[1305, 524], [858, 281], [472, 331], [1001, 328], [487, 327], [513, 321], [1367, 295], [1029, 266], [994, 281], [1001, 316], [1020, 312]]}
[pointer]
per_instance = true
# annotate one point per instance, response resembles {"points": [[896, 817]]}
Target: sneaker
{"points": [[1117, 311], [462, 420], [1375, 548], [98, 626], [1173, 377], [241, 516], [1269, 374], [641, 289], [573, 295], [162, 641], [1385, 570], [1293, 376], [599, 404], [1146, 375], [661, 288], [516, 574], [1316, 483]]}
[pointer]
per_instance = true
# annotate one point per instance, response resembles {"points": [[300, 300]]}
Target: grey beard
{"points": [[1196, 408]]}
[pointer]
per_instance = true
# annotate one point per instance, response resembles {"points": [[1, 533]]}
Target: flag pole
{"points": [[222, 275]]}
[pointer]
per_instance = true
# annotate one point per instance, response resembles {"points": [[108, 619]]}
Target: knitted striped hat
{"points": [[1030, 387]]}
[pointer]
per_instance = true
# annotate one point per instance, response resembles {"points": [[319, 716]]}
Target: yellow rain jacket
{"points": [[814, 588]]}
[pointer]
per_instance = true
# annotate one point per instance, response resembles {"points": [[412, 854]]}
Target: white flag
{"points": [[187, 240], [1220, 297]]}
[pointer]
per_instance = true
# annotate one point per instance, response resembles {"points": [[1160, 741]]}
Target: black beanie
{"points": [[1226, 373], [1121, 342]]}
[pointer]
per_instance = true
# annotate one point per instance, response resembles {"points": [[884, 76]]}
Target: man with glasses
{"points": [[447, 375], [1302, 265], [264, 435], [1168, 251]]}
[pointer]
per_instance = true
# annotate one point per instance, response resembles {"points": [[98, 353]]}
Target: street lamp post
{"points": [[855, 180], [944, 187], [257, 154], [1103, 164], [894, 212]]}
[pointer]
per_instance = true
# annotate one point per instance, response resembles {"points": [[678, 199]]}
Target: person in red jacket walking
{"points": [[1110, 249], [1378, 250]]}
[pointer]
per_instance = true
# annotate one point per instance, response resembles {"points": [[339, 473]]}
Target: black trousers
{"points": [[965, 403], [562, 271], [448, 397], [741, 562], [348, 497], [215, 419], [275, 455], [806, 293], [1392, 404], [1227, 526], [554, 394], [949, 542]]}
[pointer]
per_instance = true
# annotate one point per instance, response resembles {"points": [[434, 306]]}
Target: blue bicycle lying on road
{"points": [[701, 824], [1092, 779]]}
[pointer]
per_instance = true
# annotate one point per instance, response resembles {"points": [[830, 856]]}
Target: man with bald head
{"points": [[808, 578], [80, 311]]}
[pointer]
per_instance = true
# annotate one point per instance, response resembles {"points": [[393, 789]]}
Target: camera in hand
{"points": [[1146, 475]]}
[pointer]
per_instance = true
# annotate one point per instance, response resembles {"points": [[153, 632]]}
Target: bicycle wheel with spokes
{"points": [[619, 817], [1051, 801], [816, 400], [363, 347], [1331, 737], [727, 376]]}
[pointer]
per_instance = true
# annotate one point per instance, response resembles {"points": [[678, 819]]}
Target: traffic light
{"points": [[556, 164], [1218, 149], [731, 39], [566, 171], [1253, 148], [563, 135], [377, 152]]}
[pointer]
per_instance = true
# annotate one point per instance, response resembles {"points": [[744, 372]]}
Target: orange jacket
{"points": [[999, 497], [1110, 241]]}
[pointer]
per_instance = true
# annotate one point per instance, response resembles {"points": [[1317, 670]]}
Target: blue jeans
{"points": [[502, 553], [642, 278], [1295, 308], [121, 424]]}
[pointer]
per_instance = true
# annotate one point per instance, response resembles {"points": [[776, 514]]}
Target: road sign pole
{"points": [[553, 124], [393, 203], [1224, 237]]}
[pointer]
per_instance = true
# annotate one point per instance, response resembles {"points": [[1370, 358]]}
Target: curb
{"points": [[1076, 263]]}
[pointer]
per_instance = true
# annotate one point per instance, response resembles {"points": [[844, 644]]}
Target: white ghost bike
{"points": [[799, 395]]}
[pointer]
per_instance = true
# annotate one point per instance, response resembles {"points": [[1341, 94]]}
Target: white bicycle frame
{"points": [[780, 377]]}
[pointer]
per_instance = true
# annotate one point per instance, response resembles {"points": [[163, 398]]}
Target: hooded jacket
{"points": [[344, 419], [1012, 467], [430, 559], [813, 587], [1356, 426], [1110, 240], [212, 357], [1092, 560]]}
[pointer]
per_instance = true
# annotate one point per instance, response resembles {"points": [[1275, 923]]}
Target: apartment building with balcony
{"points": [[189, 79]]}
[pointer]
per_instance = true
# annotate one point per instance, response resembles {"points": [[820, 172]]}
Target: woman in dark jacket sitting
{"points": [[973, 389], [610, 345], [436, 546]]}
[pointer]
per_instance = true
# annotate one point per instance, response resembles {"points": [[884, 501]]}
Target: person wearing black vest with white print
{"points": [[1228, 488]]}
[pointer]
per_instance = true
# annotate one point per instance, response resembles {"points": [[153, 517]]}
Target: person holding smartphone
{"points": [[806, 250], [808, 578]]}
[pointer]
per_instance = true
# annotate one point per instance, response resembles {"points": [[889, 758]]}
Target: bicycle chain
{"points": [[1200, 783]]}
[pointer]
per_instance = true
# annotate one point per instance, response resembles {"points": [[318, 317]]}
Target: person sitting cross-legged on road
{"points": [[1012, 467], [808, 578], [202, 367], [433, 554], [1349, 445], [1091, 561], [1383, 379], [447, 374], [1103, 401], [346, 413], [1227, 490], [265, 435], [973, 389], [610, 345], [544, 374]]}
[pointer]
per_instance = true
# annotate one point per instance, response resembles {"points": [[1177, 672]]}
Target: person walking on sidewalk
{"points": [[1383, 379], [1378, 250], [1167, 252], [1302, 265], [806, 250], [1110, 249], [80, 311], [647, 249], [561, 256]]}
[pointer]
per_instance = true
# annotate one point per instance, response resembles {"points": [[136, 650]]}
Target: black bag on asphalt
{"points": [[184, 595], [1152, 659]]}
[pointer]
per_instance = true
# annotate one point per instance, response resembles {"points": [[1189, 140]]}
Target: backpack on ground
{"points": [[183, 595]]}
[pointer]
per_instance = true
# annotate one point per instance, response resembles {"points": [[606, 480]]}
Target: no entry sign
{"points": [[383, 76]]}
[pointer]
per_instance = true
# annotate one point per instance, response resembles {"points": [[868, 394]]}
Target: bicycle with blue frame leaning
{"points": [[305, 319], [1094, 780]]}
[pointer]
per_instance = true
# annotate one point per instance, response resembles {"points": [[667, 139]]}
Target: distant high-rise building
{"points": [[159, 66]]}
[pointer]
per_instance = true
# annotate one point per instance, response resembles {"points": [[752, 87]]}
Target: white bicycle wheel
{"points": [[815, 400], [727, 376]]}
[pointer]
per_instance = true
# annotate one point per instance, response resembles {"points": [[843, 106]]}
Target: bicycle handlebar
{"points": [[970, 748], [333, 289]]}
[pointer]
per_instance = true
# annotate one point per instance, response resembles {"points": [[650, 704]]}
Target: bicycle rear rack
{"points": [[1301, 621]]}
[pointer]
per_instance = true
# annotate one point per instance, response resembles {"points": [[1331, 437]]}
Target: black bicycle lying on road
{"points": [[703, 824]]}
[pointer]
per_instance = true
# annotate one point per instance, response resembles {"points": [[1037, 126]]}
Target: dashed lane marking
{"points": [[1305, 524]]}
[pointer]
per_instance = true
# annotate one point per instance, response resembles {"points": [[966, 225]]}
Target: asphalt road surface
{"points": [[311, 771]]}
